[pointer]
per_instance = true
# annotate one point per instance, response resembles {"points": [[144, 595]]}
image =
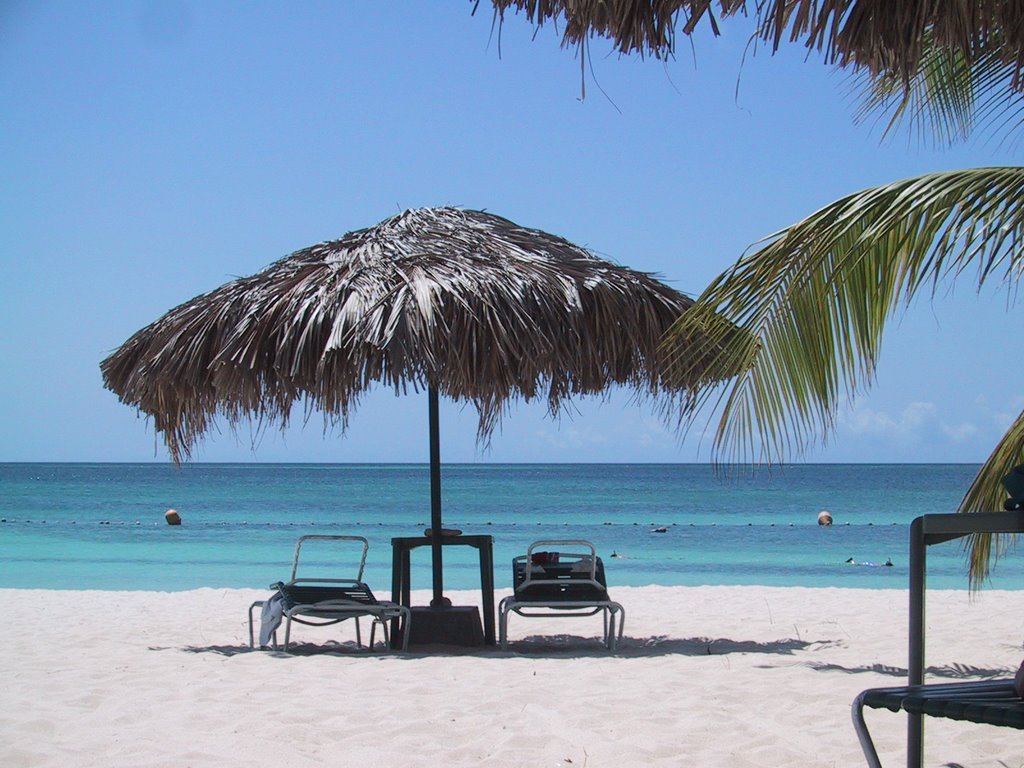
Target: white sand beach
{"points": [[706, 676]]}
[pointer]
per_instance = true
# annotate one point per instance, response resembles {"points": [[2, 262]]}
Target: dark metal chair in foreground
{"points": [[992, 702], [318, 601], [561, 582]]}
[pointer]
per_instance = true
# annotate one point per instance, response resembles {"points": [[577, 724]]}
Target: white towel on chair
{"points": [[270, 618]]}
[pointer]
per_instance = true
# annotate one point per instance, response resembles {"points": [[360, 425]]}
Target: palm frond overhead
{"points": [[813, 300], [948, 99], [801, 317], [880, 36], [482, 309], [987, 493]]}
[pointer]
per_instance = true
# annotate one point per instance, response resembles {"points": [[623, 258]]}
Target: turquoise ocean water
{"points": [[101, 526]]}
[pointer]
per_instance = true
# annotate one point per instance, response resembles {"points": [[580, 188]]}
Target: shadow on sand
{"points": [[949, 671], [560, 646]]}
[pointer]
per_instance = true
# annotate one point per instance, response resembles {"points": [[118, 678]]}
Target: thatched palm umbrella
{"points": [[457, 302]]}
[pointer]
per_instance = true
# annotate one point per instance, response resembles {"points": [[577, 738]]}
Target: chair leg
{"points": [[252, 640], [252, 637], [612, 637], [915, 740], [287, 632], [383, 622], [503, 627], [406, 627], [861, 727], [359, 635]]}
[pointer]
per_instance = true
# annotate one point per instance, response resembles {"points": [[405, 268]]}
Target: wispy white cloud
{"points": [[868, 421], [653, 433], [572, 437], [1007, 412], [960, 433]]}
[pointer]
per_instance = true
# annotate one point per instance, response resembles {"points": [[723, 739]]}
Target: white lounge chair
{"points": [[319, 601], [567, 580]]}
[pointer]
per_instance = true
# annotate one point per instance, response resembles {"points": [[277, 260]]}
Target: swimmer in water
{"points": [[869, 564]]}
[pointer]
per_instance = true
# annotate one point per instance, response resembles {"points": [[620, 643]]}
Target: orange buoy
{"points": [[824, 517], [172, 517]]}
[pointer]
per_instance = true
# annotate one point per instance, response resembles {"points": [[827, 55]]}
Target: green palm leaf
{"points": [[986, 493], [812, 301], [949, 98]]}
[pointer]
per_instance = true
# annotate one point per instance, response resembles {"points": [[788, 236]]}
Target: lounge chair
{"points": [[318, 601], [561, 582], [992, 702]]}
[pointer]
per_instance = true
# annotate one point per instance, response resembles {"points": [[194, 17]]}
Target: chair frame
{"points": [[519, 603], [984, 701], [343, 599]]}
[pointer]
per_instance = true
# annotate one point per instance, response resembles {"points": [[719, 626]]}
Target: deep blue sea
{"points": [[101, 526]]}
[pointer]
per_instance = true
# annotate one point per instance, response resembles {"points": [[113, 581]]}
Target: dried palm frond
{"points": [[881, 36], [482, 309]]}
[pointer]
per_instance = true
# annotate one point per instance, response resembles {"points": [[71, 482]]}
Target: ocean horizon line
{"points": [[781, 466]]}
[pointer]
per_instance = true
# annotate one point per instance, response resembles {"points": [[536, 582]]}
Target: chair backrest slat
{"points": [[321, 537], [559, 574]]}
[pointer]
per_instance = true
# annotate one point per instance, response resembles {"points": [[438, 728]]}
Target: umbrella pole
{"points": [[438, 600]]}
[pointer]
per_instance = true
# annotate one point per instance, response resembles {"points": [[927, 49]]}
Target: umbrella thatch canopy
{"points": [[457, 302], [882, 36]]}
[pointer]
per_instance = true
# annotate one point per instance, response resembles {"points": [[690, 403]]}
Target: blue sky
{"points": [[154, 150]]}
